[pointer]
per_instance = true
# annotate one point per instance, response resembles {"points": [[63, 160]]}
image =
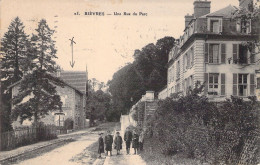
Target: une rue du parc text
{"points": [[114, 13]]}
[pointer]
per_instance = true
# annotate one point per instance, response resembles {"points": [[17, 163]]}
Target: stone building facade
{"points": [[212, 50], [72, 108]]}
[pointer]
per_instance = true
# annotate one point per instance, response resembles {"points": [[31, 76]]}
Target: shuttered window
{"points": [[242, 85], [242, 54], [214, 53], [252, 84], [215, 25], [223, 84], [223, 53], [213, 84]]}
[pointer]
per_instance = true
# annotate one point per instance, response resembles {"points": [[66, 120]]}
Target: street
{"points": [[83, 151], [69, 154]]}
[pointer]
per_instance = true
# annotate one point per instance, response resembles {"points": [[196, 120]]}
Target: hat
{"points": [[117, 132], [101, 133]]}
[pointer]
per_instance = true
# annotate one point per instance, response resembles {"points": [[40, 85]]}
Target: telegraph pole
{"points": [[71, 44]]}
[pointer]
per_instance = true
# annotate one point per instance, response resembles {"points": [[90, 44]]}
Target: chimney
{"points": [[201, 7], [248, 4], [188, 18], [149, 96], [177, 41]]}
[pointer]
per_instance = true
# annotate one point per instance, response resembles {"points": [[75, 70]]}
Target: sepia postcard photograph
{"points": [[130, 82]]}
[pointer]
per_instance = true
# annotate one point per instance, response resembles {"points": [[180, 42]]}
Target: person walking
{"points": [[135, 143], [100, 145], [109, 142], [128, 138], [118, 143], [141, 141]]}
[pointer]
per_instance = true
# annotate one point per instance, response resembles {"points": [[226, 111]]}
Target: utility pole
{"points": [[71, 44]]}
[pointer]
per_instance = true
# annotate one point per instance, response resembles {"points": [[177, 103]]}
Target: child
{"points": [[135, 143], [109, 142], [100, 144], [118, 143]]}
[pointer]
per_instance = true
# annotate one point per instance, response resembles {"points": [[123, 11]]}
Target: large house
{"points": [[212, 50], [72, 95]]}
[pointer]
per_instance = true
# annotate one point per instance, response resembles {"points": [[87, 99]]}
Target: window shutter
{"points": [[192, 56], [206, 50], [258, 83], [206, 79], [238, 25], [234, 84], [223, 53], [183, 62], [220, 26], [188, 60], [223, 83], [235, 46], [249, 26], [252, 84], [252, 55]]}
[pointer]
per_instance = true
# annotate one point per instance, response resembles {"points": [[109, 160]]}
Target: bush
{"points": [[196, 128]]}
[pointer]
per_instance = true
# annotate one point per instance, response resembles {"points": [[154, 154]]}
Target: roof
{"points": [[77, 79], [226, 12], [18, 82]]}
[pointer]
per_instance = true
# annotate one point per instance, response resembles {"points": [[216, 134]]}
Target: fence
{"points": [[27, 135]]}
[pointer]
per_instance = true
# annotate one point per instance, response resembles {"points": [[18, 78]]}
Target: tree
{"points": [[38, 86], [147, 72], [15, 46], [250, 16], [98, 105]]}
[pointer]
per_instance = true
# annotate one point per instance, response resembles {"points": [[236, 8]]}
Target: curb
{"points": [[32, 150]]}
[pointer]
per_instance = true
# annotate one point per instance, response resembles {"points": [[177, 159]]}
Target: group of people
{"points": [[129, 137]]}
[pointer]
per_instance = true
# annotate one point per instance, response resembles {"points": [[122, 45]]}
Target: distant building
{"points": [[211, 50], [163, 93], [73, 97]]}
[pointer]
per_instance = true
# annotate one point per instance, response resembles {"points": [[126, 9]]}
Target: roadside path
{"points": [[65, 155], [73, 149], [124, 159]]}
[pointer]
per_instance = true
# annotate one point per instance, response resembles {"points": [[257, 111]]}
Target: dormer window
{"points": [[215, 25], [244, 26]]}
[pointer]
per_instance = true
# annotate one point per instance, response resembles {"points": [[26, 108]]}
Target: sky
{"points": [[103, 43]]}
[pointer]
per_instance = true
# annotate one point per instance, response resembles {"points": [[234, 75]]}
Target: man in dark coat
{"points": [[128, 138], [118, 143], [135, 143], [100, 144], [109, 142]]}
